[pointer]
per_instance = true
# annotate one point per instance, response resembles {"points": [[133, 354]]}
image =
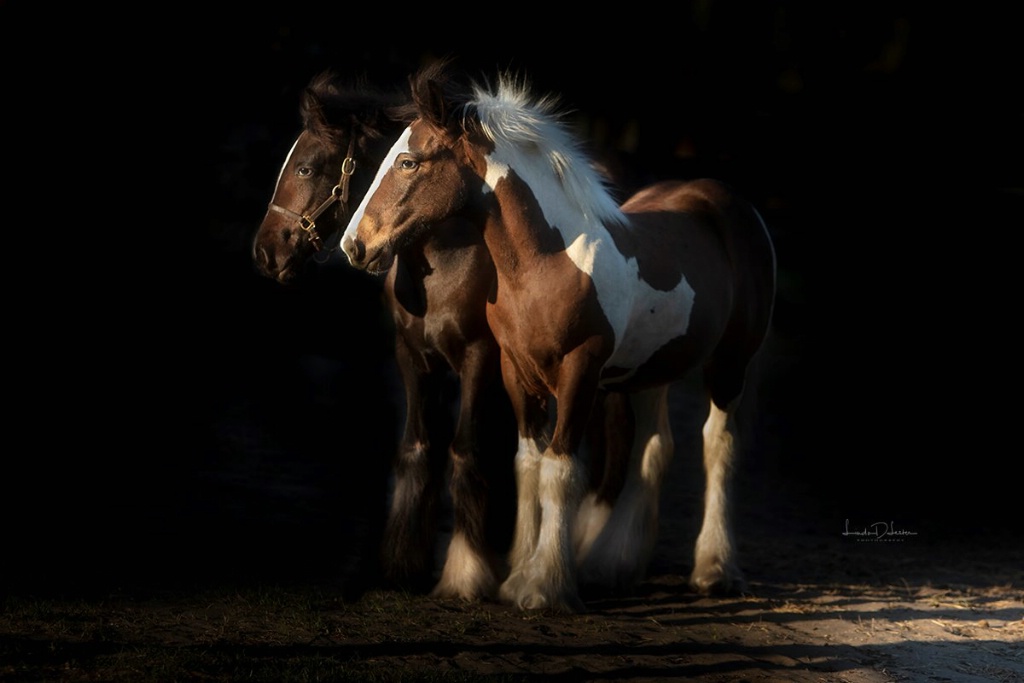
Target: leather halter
{"points": [[339, 193]]}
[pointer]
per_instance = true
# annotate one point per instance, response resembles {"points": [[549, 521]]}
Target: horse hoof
{"points": [[467, 591], [525, 595], [511, 588], [621, 580], [562, 604], [718, 582], [465, 595]]}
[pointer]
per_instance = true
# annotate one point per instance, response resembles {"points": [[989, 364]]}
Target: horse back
{"points": [[720, 243]]}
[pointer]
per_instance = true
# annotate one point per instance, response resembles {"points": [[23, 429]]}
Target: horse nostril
{"points": [[261, 256]]}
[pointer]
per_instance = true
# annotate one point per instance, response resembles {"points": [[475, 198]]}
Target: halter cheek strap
{"points": [[339, 193]]}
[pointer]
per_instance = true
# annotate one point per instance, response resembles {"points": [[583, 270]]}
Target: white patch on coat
{"points": [[401, 145], [643, 318]]}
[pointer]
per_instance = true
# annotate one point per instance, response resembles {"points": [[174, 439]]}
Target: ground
{"points": [[867, 612], [829, 598]]}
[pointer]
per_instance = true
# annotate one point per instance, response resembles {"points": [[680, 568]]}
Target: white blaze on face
{"points": [[280, 174], [642, 318], [401, 145]]}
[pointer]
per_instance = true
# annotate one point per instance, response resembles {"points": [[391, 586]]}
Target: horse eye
{"points": [[407, 164], [304, 171]]}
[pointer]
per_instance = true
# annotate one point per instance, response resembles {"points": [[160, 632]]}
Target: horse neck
{"points": [[519, 234], [513, 249]]}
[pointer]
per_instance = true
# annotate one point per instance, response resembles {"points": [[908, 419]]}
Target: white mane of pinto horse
{"points": [[557, 532]]}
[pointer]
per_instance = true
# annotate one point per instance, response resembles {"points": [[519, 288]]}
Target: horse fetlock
{"points": [[618, 556], [617, 567], [466, 574], [591, 519], [603, 571], [407, 553]]}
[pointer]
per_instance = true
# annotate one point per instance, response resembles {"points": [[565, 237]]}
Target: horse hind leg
{"points": [[715, 570], [617, 557], [609, 442], [729, 377]]}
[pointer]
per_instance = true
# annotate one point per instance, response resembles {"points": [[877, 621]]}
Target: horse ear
{"points": [[430, 94], [437, 103], [312, 109]]}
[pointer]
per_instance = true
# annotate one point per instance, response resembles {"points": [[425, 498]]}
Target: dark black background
{"points": [[166, 392]]}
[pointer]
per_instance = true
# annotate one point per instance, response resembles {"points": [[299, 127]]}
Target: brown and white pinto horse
{"points": [[435, 293], [589, 297]]}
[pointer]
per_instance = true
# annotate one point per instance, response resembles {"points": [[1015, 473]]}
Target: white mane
{"points": [[530, 129]]}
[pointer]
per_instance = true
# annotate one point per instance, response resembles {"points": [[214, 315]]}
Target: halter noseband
{"points": [[339, 193]]}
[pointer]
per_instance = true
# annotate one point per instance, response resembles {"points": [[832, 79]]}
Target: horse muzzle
{"points": [[374, 261], [355, 250]]}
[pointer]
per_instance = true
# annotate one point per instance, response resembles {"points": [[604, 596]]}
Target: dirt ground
{"points": [[834, 630], [870, 611], [830, 598]]}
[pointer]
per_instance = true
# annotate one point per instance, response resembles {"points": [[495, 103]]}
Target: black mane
{"points": [[333, 108], [440, 93]]}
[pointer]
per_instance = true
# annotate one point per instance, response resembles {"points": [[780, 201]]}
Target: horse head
{"points": [[345, 130], [427, 177]]}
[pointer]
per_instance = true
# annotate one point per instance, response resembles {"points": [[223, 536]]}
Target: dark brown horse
{"points": [[435, 294], [589, 297]]}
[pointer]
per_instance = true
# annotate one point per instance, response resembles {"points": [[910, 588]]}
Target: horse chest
{"points": [[535, 333]]}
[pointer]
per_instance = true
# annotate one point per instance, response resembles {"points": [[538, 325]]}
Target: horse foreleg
{"points": [[715, 569], [531, 417], [547, 579], [543, 575], [469, 571], [527, 526], [550, 579], [617, 556]]}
